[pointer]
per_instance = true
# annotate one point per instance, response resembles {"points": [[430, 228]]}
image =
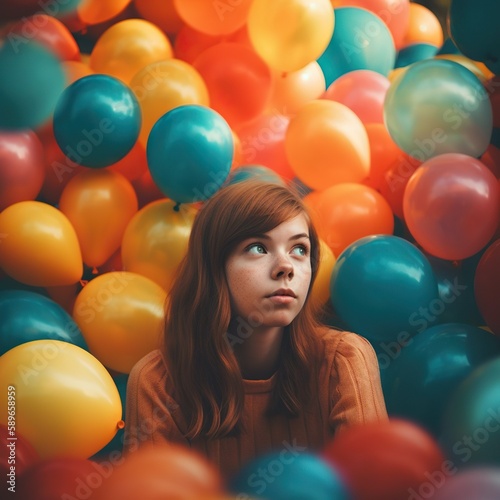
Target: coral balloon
{"points": [[99, 204], [451, 206], [155, 240], [190, 43], [96, 11], [39, 245], [60, 388], [128, 46], [164, 85], [163, 14], [424, 26], [120, 315], [22, 167], [326, 143]]}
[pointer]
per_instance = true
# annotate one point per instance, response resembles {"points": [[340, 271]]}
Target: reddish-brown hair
{"points": [[204, 369]]}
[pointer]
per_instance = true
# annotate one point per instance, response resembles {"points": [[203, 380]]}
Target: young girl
{"points": [[246, 368]]}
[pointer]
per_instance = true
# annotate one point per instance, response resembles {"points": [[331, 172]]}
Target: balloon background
{"points": [[119, 118]]}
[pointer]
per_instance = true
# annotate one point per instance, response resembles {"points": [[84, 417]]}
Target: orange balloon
{"points": [[190, 43], [326, 143], [163, 14], [320, 291], [213, 18], [128, 46], [424, 27], [99, 203], [38, 245], [120, 315], [164, 85], [74, 70], [155, 240], [349, 211], [133, 164], [97, 11]]}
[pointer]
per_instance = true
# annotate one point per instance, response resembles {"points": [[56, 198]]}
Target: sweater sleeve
{"points": [[355, 385], [149, 408]]}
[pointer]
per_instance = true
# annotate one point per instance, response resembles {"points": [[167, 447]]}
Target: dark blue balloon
{"points": [[260, 172], [413, 53], [190, 150], [97, 121], [360, 40], [289, 475], [28, 316]]}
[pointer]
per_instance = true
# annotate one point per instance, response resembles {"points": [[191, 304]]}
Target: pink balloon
{"points": [[363, 91], [22, 167], [451, 206]]}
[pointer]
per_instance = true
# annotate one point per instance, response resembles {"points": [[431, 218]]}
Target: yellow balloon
{"points": [[164, 85], [289, 34], [99, 203], [156, 239], [38, 245], [478, 68], [66, 402], [128, 46], [320, 292], [120, 315]]}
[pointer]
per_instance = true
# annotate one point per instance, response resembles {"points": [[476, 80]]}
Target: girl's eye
{"points": [[256, 248], [300, 250]]}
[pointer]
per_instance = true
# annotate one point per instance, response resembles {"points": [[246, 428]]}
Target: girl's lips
{"points": [[281, 299]]}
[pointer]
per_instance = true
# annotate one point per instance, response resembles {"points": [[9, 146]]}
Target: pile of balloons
{"points": [[119, 118]]}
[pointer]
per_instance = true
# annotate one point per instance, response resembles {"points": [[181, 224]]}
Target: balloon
{"points": [[361, 40], [326, 144], [347, 212], [15, 9], [127, 47], [320, 292], [471, 420], [190, 151], [414, 52], [28, 316], [452, 206], [66, 402], [384, 460], [289, 35], [97, 121], [482, 483], [463, 18], [133, 164], [478, 68], [425, 370], [146, 189], [96, 11], [74, 70], [363, 91], [424, 27], [32, 81], [121, 317], [162, 471], [378, 283], [244, 172], [22, 167], [190, 43], [263, 143], [438, 106], [162, 14], [40, 247], [99, 204], [275, 476], [155, 240], [487, 286], [238, 81], [164, 85], [23, 453], [220, 18]]}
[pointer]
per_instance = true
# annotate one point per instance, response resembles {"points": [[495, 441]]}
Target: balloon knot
{"points": [[95, 270], [83, 282], [120, 424], [177, 206]]}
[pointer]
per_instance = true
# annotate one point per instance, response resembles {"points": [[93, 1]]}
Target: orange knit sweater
{"points": [[349, 392]]}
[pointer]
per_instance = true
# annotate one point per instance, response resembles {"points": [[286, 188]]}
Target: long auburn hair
{"points": [[204, 370]]}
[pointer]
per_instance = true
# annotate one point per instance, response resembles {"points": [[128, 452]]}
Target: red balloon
{"points": [[20, 450], [22, 168], [385, 460], [487, 286], [146, 189], [190, 43]]}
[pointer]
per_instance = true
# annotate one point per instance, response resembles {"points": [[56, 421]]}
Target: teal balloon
{"points": [[438, 106], [360, 40], [260, 172], [97, 121], [473, 27], [189, 152], [448, 47], [378, 286], [471, 422], [28, 316], [32, 80], [421, 375], [288, 475], [413, 53]]}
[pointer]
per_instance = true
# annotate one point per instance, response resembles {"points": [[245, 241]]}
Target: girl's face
{"points": [[269, 275]]}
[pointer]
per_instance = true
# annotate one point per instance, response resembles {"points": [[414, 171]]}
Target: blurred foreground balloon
{"points": [[22, 451], [66, 401]]}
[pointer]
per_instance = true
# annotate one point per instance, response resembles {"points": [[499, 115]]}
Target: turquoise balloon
{"points": [[378, 286], [260, 172], [438, 106], [28, 316], [97, 121], [32, 80], [413, 53], [360, 40], [421, 375], [471, 422], [189, 152]]}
